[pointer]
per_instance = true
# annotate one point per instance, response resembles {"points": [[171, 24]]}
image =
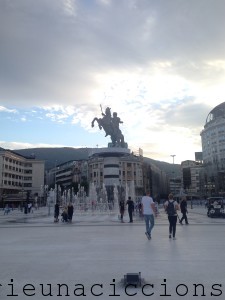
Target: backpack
{"points": [[171, 211]]}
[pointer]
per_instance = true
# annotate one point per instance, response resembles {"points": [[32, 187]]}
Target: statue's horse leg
{"points": [[113, 138], [93, 122], [98, 121], [122, 139]]}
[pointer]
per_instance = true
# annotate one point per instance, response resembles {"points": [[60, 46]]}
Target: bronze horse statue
{"points": [[106, 122]]}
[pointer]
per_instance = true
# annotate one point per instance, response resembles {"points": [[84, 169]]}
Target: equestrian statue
{"points": [[111, 127]]}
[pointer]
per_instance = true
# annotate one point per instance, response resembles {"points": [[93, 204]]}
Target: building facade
{"points": [[205, 176], [213, 151], [20, 176], [65, 174], [213, 138], [175, 184], [111, 167], [116, 169], [193, 178]]}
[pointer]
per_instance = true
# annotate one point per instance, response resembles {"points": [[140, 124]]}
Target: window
{"points": [[111, 176], [27, 171], [28, 165]]}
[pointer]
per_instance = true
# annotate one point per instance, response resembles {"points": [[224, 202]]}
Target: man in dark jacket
{"points": [[130, 204], [122, 209], [183, 208], [70, 212], [56, 213]]}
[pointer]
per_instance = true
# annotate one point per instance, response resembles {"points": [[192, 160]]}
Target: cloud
{"points": [[159, 64], [70, 7], [23, 119], [7, 110], [20, 145], [51, 54]]}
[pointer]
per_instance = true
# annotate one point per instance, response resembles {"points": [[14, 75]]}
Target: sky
{"points": [[159, 64]]}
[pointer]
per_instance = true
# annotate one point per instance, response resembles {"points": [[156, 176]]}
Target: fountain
{"points": [[81, 204], [132, 191], [93, 198], [116, 198], [126, 192], [96, 203]]}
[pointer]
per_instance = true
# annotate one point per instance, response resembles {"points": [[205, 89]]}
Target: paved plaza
{"points": [[88, 259]]}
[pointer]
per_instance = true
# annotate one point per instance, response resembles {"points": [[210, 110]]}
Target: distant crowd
{"points": [[66, 214]]}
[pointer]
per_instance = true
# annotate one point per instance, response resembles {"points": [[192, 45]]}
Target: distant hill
{"points": [[56, 156]]}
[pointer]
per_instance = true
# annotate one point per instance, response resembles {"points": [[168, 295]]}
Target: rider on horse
{"points": [[110, 126]]}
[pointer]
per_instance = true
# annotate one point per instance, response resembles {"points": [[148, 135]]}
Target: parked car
{"points": [[216, 207]]}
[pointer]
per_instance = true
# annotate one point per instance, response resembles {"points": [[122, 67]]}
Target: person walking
{"points": [[130, 204], [56, 213], [6, 210], [65, 214], [171, 207], [122, 209], [148, 211], [184, 211], [70, 212], [29, 207]]}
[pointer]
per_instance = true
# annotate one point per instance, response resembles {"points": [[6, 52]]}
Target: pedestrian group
{"points": [[147, 208], [67, 213]]}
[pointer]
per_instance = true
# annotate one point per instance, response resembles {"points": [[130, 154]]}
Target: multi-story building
{"points": [[127, 169], [65, 174], [20, 176], [193, 178], [111, 167], [155, 180], [206, 175], [175, 185], [213, 150], [131, 170], [213, 138], [118, 167]]}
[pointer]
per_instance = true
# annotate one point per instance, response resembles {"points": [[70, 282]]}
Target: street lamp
{"points": [[22, 200], [173, 155], [55, 184], [55, 172]]}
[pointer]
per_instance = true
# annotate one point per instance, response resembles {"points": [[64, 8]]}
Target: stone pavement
{"points": [[91, 256]]}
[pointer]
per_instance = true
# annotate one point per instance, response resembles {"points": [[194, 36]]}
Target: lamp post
{"points": [[173, 155], [22, 200], [55, 184], [190, 189], [56, 168], [47, 199]]}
